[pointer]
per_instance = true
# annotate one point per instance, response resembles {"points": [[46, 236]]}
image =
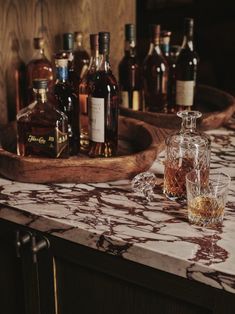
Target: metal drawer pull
{"points": [[21, 241], [38, 246]]}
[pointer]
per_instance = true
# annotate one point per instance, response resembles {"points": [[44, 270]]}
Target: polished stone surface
{"points": [[110, 217]]}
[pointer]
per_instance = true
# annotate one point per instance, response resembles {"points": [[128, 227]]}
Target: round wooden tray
{"points": [[139, 145], [216, 106]]}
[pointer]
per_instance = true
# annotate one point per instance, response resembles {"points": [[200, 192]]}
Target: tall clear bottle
{"points": [[103, 105], [39, 68], [130, 78], [186, 69], [67, 102], [81, 57], [155, 75], [84, 91], [42, 130], [186, 150]]}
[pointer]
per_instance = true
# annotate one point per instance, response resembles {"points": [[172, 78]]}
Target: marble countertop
{"points": [[110, 217]]}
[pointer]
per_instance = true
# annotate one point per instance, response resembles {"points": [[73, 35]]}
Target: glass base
{"points": [[205, 221]]}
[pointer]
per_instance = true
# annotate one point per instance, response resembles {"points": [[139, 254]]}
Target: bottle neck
{"points": [[39, 54], [130, 48], [188, 38], [94, 60], [188, 124], [62, 73], [41, 95], [104, 62], [165, 48]]}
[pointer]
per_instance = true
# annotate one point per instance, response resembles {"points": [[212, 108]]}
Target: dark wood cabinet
{"points": [[71, 278]]}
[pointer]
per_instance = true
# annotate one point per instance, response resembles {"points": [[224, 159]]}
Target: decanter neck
{"points": [[189, 119]]}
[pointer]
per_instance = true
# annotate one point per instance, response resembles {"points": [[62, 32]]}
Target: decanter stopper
{"points": [[144, 183]]}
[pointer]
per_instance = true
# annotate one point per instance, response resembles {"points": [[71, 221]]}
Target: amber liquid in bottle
{"points": [[186, 70], [42, 130], [130, 80], [84, 92], [67, 102], [103, 106], [39, 68], [81, 58], [155, 75]]}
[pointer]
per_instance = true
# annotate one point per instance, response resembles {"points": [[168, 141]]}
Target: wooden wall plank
{"points": [[21, 20]]}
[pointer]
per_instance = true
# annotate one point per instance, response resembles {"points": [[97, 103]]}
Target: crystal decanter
{"points": [[186, 150]]}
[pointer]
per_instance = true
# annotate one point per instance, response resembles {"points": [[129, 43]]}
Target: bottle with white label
{"points": [[186, 69], [130, 78], [103, 105]]}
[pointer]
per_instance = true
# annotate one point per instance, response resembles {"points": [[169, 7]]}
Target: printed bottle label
{"points": [[185, 93], [53, 142], [136, 100], [96, 117], [125, 99]]}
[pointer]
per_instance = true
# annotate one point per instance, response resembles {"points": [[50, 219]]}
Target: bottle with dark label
{"points": [[84, 91], [67, 102], [42, 130], [155, 75], [186, 69], [130, 73], [81, 57], [39, 68], [67, 52], [103, 105]]}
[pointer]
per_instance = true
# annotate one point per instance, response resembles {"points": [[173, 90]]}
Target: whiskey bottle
{"points": [[42, 130], [81, 57], [130, 78], [39, 68], [84, 91], [67, 102], [186, 69], [155, 75], [103, 105], [67, 52]]}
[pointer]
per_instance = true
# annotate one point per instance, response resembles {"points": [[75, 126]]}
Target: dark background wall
{"points": [[214, 34]]}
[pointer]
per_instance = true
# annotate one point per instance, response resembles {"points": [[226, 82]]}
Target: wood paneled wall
{"points": [[21, 20]]}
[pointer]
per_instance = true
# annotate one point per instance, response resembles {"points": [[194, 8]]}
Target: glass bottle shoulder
{"points": [[41, 113], [103, 82], [188, 139]]}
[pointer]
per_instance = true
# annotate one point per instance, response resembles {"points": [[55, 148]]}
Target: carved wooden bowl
{"points": [[139, 145], [217, 108]]}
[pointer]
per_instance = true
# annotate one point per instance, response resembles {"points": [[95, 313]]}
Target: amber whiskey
{"points": [[42, 130], [103, 106], [155, 75], [84, 91], [39, 68], [130, 76]]}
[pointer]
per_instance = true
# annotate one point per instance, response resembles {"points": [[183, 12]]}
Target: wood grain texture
{"points": [[145, 143], [21, 20]]}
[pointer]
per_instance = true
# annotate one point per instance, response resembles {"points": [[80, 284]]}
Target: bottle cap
{"points": [[130, 32], [94, 41], [38, 43], [40, 83], [104, 41], [68, 39]]}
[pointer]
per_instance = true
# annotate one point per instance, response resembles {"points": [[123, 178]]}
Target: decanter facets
{"points": [[186, 150]]}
